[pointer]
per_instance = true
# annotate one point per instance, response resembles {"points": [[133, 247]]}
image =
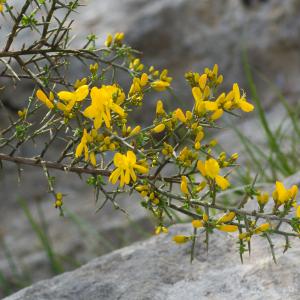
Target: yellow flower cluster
{"points": [[281, 195], [210, 169], [125, 168], [148, 193], [105, 100], [254, 231]]}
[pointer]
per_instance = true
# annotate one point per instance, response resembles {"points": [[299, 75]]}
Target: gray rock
{"points": [[159, 269]]}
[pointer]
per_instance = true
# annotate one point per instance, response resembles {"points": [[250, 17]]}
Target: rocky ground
{"points": [[161, 270]]}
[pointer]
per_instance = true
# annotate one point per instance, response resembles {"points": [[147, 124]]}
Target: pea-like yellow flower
{"points": [[160, 108], [80, 82], [160, 85], [202, 81], [181, 239], [82, 146], [70, 98], [184, 185], [298, 212], [125, 168], [48, 101], [227, 228], [226, 218], [108, 40], [144, 79], [135, 130], [197, 223], [261, 228], [281, 195], [159, 128], [262, 198], [180, 115], [211, 169], [161, 229], [241, 101], [104, 100], [258, 230]]}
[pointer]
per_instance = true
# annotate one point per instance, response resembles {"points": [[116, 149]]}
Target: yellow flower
{"points": [[160, 85], [135, 130], [298, 212], [109, 40], [262, 198], [217, 114], [227, 228], [83, 146], [205, 217], [181, 239], [104, 100], [281, 195], [160, 108], [160, 229], [125, 168], [241, 101], [262, 228], [226, 218], [197, 223], [78, 83], [211, 169], [202, 81], [180, 115], [48, 101], [22, 113], [70, 98], [184, 185], [144, 79], [159, 128], [1, 8]]}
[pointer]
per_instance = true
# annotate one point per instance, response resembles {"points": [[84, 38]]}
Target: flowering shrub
{"points": [[92, 119]]}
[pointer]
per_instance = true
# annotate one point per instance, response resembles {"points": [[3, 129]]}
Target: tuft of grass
{"points": [[281, 159], [41, 234]]}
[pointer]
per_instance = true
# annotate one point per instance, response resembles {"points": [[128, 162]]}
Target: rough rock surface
{"points": [[158, 269], [185, 35]]}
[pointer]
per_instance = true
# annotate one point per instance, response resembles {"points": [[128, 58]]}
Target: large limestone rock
{"points": [[157, 269]]}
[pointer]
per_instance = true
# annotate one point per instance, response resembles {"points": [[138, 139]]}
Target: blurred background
{"points": [[255, 43]]}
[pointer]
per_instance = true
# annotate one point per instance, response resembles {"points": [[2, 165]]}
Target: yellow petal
{"points": [[217, 114], [197, 223], [93, 159], [201, 168], [202, 81], [298, 212], [210, 105], [226, 218], [236, 91], [212, 168], [197, 94], [262, 228], [82, 92], [159, 128], [183, 185], [246, 106], [181, 239], [222, 182], [227, 228], [65, 96], [180, 115]]}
